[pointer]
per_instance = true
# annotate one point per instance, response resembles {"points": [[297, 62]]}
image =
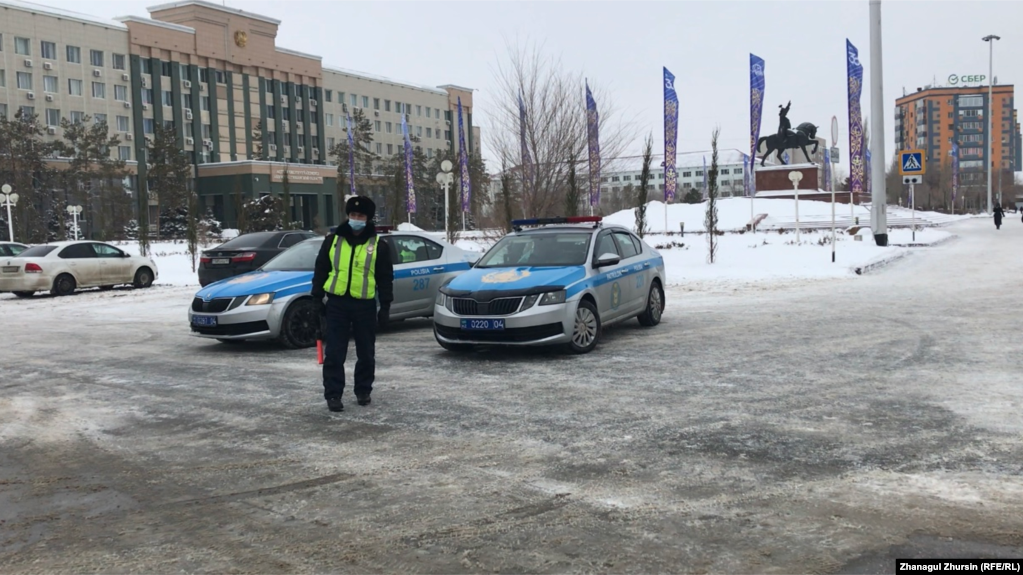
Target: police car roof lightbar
{"points": [[559, 220]]}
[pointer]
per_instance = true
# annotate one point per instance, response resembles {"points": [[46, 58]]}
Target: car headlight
{"points": [[260, 299], [553, 297], [529, 301], [442, 300]]}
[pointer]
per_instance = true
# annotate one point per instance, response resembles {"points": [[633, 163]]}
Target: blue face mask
{"points": [[357, 224]]}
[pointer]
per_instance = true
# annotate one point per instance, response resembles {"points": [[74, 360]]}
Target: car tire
{"points": [[231, 341], [452, 347], [299, 325], [585, 328], [654, 306], [64, 284], [24, 293], [143, 278]]}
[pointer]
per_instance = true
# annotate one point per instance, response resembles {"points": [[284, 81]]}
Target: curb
{"points": [[937, 243], [879, 264]]}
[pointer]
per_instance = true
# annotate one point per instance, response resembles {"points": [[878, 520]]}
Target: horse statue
{"points": [[798, 138]]}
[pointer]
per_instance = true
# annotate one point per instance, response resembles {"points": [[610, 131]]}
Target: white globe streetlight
{"points": [[10, 200], [75, 211], [445, 178]]}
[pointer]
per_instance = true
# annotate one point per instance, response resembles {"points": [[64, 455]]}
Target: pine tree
{"points": [[362, 136], [23, 166], [286, 199], [572, 197], [263, 215], [90, 171], [506, 196], [711, 219], [644, 184]]}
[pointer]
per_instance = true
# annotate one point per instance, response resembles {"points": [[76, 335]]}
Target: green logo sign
{"points": [[956, 79]]}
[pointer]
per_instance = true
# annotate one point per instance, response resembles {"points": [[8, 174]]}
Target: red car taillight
{"points": [[243, 257], [33, 269], [205, 260]]}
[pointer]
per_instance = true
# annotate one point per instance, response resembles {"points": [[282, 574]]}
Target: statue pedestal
{"points": [[773, 182]]}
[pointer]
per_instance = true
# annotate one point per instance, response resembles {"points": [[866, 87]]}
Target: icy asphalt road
{"points": [[779, 429]]}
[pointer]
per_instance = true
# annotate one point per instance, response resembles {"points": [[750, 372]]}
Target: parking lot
{"points": [[780, 428]]}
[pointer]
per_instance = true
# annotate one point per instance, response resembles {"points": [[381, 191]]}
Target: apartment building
{"points": [[690, 168], [243, 108]]}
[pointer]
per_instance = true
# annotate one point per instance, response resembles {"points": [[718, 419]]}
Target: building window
{"points": [[328, 95], [436, 113], [204, 75], [118, 61], [3, 78], [429, 132], [99, 90], [221, 77], [24, 80], [724, 171], [387, 127], [687, 174], [330, 143], [427, 111], [74, 54], [429, 152], [48, 50], [166, 95], [52, 117], [387, 105], [390, 149], [147, 95], [355, 100], [3, 110], [616, 178], [380, 148], [96, 57], [447, 134], [122, 124], [77, 117], [186, 100], [419, 110], [204, 103], [124, 153], [286, 113], [626, 178], [50, 84], [99, 119], [419, 131], [329, 119], [365, 101], [147, 125], [376, 103], [27, 111], [376, 125], [971, 101], [206, 131], [22, 46], [183, 72]]}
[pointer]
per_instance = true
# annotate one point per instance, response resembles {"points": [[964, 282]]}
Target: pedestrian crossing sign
{"points": [[912, 163]]}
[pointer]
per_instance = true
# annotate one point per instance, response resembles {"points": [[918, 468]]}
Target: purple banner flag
{"points": [[854, 72], [866, 172], [351, 156], [670, 136], [527, 162], [593, 145], [955, 171], [410, 189], [463, 162], [756, 108]]}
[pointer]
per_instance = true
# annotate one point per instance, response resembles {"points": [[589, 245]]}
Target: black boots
{"points": [[334, 404]]}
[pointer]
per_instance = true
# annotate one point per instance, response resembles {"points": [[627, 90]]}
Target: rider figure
{"points": [[784, 125]]}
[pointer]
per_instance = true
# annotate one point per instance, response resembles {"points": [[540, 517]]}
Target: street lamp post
{"points": [[10, 200], [74, 211], [445, 178], [795, 178], [990, 112]]}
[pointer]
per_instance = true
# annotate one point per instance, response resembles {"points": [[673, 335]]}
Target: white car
{"points": [[62, 267]]}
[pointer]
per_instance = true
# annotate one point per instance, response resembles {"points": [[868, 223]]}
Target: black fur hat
{"points": [[361, 205]]}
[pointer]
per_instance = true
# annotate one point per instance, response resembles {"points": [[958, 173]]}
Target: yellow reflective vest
{"points": [[354, 269]]}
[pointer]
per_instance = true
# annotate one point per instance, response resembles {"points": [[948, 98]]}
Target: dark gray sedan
{"points": [[246, 253]]}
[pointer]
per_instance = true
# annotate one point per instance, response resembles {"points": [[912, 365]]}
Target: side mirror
{"points": [[125, 255], [607, 260]]}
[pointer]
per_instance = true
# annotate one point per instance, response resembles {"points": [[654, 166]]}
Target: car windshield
{"points": [[302, 257], [37, 251], [544, 249]]}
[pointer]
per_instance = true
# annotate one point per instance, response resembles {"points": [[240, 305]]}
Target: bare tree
{"points": [[555, 125], [711, 219]]}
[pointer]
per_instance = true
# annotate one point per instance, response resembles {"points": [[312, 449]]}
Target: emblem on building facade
{"points": [[241, 38]]}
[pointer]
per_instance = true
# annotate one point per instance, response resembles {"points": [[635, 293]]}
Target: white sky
{"points": [[623, 45]]}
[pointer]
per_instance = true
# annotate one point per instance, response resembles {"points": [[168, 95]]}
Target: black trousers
{"points": [[349, 317]]}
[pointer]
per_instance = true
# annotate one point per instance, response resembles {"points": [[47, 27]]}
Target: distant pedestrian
{"points": [[999, 214]]}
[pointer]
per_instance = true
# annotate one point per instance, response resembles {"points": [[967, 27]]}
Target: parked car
{"points": [[275, 302], [557, 283], [63, 267], [11, 249], [246, 253]]}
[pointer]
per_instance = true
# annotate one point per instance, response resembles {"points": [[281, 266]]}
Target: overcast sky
{"points": [[623, 45]]}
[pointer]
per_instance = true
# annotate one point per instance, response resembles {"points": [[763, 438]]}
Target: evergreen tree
{"points": [[711, 219], [644, 184], [23, 166], [264, 214], [506, 196], [362, 136], [572, 197], [693, 196], [286, 199], [90, 177]]}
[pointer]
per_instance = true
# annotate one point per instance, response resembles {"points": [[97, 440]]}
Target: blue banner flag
{"points": [[527, 162], [463, 162], [351, 156], [866, 171], [854, 74], [756, 108], [670, 136], [955, 171], [827, 170], [410, 189], [593, 145]]}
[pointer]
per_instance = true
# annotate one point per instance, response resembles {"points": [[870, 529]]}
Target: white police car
{"points": [[556, 283], [274, 302]]}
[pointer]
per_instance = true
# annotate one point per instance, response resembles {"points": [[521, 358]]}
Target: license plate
{"points": [[483, 324], [11, 269], [204, 320], [221, 261]]}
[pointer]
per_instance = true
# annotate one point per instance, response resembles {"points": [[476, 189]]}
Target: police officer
{"points": [[352, 269]]}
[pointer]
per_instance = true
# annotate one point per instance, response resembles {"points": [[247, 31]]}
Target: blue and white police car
{"points": [[275, 301], [557, 282]]}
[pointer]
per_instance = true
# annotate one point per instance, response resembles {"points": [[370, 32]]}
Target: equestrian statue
{"points": [[788, 139]]}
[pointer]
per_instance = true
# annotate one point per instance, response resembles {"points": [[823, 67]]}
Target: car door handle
{"points": [[646, 264], [438, 268]]}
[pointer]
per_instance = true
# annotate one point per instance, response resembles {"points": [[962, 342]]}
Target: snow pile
{"points": [[409, 227], [172, 261]]}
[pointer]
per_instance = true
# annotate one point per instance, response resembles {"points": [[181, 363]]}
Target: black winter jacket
{"points": [[383, 272]]}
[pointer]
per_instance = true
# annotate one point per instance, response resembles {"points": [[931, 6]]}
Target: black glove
{"points": [[321, 308], [384, 314]]}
